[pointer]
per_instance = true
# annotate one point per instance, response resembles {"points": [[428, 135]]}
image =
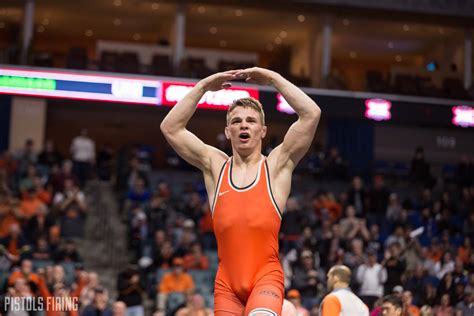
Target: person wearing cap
{"points": [[175, 281], [341, 301], [295, 298], [392, 305], [371, 276]]}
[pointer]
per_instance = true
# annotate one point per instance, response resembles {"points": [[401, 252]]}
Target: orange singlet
{"points": [[246, 224]]}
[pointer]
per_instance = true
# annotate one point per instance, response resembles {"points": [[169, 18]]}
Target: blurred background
{"points": [[94, 204]]}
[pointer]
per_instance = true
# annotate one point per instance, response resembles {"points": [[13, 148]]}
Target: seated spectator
{"points": [[175, 281], [39, 225], [356, 256], [72, 222], [42, 250], [291, 224], [378, 198], [196, 259], [99, 304], [398, 236], [295, 298], [444, 266], [445, 308], [26, 156], [395, 266], [334, 167], [139, 193], [40, 190], [7, 216], [307, 280], [68, 253], [465, 251], [195, 306], [392, 305], [163, 259], [409, 307], [185, 238], [416, 283], [327, 207], [466, 306], [29, 205], [15, 244], [26, 182], [119, 308], [394, 208]]}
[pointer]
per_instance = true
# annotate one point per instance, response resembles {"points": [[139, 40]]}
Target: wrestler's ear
{"points": [[264, 131], [227, 132]]}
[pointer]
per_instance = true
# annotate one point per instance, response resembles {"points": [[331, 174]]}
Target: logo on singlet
{"points": [[222, 193], [269, 293]]}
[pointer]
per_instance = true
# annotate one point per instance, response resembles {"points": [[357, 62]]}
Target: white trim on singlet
{"points": [[262, 311], [269, 190], [218, 187]]}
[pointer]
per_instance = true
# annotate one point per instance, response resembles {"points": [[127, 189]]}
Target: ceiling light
{"points": [[390, 45], [283, 34], [201, 9], [117, 22], [88, 33], [346, 22], [137, 36], [239, 12], [398, 58], [213, 30], [269, 47], [406, 27], [117, 3], [223, 43], [353, 54], [155, 6], [41, 29], [278, 40], [301, 18]]}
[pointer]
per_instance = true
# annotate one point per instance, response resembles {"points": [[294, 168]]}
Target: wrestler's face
{"points": [[245, 130]]}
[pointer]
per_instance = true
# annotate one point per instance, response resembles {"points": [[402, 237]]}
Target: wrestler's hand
{"points": [[218, 81], [257, 75]]}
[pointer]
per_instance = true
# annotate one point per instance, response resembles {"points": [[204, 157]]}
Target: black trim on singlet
{"points": [[217, 187], [232, 183], [267, 171]]}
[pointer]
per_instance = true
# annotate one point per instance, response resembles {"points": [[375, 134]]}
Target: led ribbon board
{"points": [[79, 86], [173, 92]]}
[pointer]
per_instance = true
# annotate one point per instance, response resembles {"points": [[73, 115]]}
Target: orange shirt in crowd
{"points": [[191, 262], [413, 310], [33, 277], [464, 254], [5, 223], [28, 207], [171, 282]]}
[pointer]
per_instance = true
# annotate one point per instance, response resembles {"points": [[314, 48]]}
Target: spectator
{"points": [[40, 224], [358, 197], [196, 259], [195, 306], [29, 204], [119, 308], [26, 156], [356, 256], [445, 309], [371, 276], [444, 266], [88, 291], [392, 305], [410, 309], [15, 244], [58, 180], [295, 298], [334, 167], [394, 208], [417, 283], [99, 305], [7, 217], [72, 196], [139, 193], [394, 265], [466, 307], [42, 250], [464, 172], [378, 200], [68, 254], [176, 281], [291, 225], [353, 227], [49, 157], [83, 155], [307, 280], [130, 290], [420, 169]]}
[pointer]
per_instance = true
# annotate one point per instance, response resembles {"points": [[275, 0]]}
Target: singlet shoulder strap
{"points": [[269, 188]]}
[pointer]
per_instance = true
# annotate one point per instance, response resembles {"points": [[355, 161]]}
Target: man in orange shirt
{"points": [[176, 281], [247, 191]]}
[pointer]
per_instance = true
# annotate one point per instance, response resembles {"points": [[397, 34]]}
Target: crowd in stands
{"points": [[42, 214], [413, 241]]}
